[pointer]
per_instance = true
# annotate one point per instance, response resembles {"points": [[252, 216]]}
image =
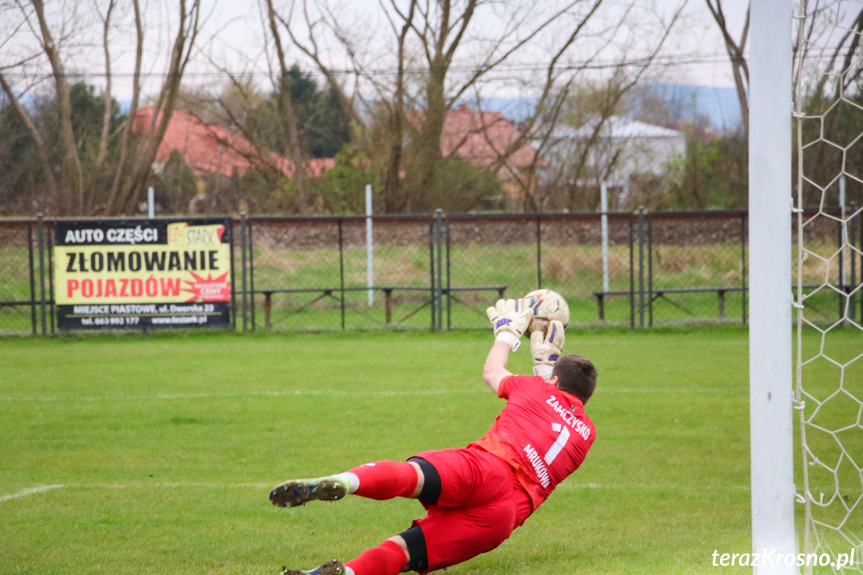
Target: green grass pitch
{"points": [[155, 454]]}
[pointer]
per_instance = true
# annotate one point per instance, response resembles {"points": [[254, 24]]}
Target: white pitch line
{"points": [[170, 485], [566, 485], [282, 393], [30, 491], [215, 485], [676, 391], [330, 392]]}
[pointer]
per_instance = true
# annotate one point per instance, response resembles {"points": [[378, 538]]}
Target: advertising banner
{"points": [[143, 273]]}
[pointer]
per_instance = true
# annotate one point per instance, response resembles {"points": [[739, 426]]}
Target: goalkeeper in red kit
{"points": [[477, 495]]}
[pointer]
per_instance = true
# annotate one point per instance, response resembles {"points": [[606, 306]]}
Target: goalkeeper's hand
{"points": [[545, 348], [509, 319]]}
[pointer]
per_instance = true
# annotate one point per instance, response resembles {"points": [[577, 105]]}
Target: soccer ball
{"points": [[547, 305]]}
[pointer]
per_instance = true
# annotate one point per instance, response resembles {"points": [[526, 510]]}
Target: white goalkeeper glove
{"points": [[546, 347], [509, 319]]}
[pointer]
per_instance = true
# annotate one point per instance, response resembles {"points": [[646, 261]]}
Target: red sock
{"points": [[385, 559], [386, 480]]}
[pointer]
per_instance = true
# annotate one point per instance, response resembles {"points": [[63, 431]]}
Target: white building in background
{"points": [[620, 153]]}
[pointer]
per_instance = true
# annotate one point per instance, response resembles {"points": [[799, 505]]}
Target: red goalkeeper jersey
{"points": [[543, 432]]}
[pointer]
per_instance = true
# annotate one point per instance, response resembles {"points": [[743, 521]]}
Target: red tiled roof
{"points": [[207, 148], [481, 138]]}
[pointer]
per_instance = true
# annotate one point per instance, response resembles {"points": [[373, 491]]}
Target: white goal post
{"points": [[770, 319], [806, 79]]}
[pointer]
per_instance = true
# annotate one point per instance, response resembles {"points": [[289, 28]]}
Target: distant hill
{"points": [[718, 104]]}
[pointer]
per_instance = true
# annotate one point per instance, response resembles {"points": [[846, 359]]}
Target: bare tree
{"points": [[583, 146], [539, 127], [444, 53], [393, 198], [736, 54], [445, 29], [108, 94], [72, 192], [286, 108], [55, 39], [571, 124], [428, 38], [188, 27]]}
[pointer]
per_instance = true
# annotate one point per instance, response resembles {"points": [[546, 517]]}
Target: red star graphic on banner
{"points": [[209, 288]]}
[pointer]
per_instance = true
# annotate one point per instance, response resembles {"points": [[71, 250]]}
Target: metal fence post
{"points": [[51, 299], [603, 226], [743, 266], [243, 265], [41, 243], [852, 237], [841, 243], [432, 273], [342, 269], [538, 252], [640, 266], [860, 243], [251, 249], [233, 276], [650, 267], [438, 238], [32, 276], [448, 284], [631, 272]]}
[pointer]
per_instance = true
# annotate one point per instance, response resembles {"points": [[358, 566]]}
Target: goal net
{"points": [[828, 165]]}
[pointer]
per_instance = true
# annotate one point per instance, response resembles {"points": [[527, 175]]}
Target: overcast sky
{"points": [[696, 56], [233, 38]]}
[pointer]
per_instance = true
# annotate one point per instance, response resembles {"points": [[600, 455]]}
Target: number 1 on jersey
{"points": [[561, 440]]}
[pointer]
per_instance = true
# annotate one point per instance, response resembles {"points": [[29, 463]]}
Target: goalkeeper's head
{"points": [[576, 375]]}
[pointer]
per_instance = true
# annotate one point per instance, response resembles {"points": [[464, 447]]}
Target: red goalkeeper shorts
{"points": [[480, 504]]}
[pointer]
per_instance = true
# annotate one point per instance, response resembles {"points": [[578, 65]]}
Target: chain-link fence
{"points": [[20, 294], [440, 271], [831, 267], [516, 254], [696, 268], [339, 272]]}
